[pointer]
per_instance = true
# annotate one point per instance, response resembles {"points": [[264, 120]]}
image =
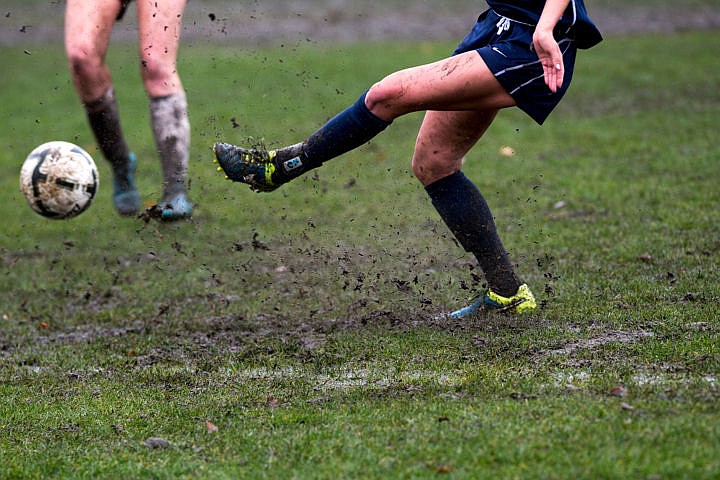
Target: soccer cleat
{"points": [[126, 197], [522, 302], [253, 167], [175, 208]]}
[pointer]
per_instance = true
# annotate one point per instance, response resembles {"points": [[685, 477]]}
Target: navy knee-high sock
{"points": [[349, 129], [467, 215]]}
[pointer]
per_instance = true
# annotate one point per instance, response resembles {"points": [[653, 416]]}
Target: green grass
{"points": [[302, 323]]}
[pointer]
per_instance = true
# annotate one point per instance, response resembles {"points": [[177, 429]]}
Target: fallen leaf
{"points": [[211, 428], [507, 151], [645, 257], [618, 391]]}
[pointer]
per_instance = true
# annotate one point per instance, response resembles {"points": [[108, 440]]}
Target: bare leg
{"points": [[159, 34], [160, 25], [87, 31], [443, 141], [462, 92], [88, 26], [459, 83]]}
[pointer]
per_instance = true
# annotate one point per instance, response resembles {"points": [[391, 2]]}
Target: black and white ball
{"points": [[59, 180]]}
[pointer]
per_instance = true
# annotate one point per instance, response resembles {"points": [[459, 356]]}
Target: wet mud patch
{"points": [[598, 341]]}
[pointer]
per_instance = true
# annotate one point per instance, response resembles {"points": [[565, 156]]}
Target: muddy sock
{"points": [[467, 215], [104, 122], [351, 128], [171, 129]]}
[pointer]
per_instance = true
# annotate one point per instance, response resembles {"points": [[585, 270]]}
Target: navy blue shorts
{"points": [[506, 47]]}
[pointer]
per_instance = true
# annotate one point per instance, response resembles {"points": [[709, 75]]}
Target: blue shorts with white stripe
{"points": [[506, 47]]}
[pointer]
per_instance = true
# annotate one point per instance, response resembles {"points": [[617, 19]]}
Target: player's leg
{"points": [[462, 82], [159, 29], [443, 141], [266, 170], [87, 31], [88, 26], [160, 24]]}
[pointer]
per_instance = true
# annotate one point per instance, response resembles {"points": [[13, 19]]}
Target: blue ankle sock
{"points": [[467, 215]]}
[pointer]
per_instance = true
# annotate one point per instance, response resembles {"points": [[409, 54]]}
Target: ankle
{"points": [[290, 162], [173, 189]]}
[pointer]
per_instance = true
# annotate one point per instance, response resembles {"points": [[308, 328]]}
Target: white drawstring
{"points": [[503, 25]]}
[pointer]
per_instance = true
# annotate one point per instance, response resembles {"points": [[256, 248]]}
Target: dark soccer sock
{"points": [[467, 215], [351, 128], [105, 124]]}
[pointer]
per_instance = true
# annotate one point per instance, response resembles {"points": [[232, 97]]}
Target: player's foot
{"points": [[522, 302], [126, 197], [175, 207], [254, 167], [264, 170]]}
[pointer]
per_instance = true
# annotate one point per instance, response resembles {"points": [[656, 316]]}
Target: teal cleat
{"points": [[522, 302], [175, 208], [126, 197]]}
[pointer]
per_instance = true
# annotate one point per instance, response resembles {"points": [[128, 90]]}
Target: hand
{"points": [[550, 57]]}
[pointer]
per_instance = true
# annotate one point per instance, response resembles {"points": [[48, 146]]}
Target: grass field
{"points": [[296, 334]]}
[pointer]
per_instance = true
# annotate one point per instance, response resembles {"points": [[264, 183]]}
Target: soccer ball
{"points": [[59, 180]]}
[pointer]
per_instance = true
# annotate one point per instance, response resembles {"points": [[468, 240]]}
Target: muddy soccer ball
{"points": [[59, 180]]}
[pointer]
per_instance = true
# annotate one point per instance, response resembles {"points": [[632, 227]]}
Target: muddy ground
{"points": [[26, 23]]}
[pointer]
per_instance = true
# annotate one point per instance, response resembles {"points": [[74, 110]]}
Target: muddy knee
{"points": [[429, 168]]}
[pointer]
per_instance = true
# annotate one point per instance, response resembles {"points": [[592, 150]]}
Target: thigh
{"points": [[159, 29], [461, 82], [444, 139], [88, 25]]}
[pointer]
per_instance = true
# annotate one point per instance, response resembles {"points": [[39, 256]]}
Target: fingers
{"points": [[554, 74], [551, 59]]}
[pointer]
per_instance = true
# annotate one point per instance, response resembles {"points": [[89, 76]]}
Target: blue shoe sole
{"points": [[179, 208], [522, 301]]}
